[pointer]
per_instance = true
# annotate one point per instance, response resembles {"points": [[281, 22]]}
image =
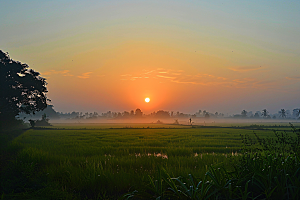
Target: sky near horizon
{"points": [[223, 56]]}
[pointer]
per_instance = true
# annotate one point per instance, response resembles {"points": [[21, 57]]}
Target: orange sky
{"points": [[185, 56]]}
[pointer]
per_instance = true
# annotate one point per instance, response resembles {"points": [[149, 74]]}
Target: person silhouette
{"points": [[190, 121]]}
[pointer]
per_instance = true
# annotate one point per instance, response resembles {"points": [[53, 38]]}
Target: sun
{"points": [[147, 100]]}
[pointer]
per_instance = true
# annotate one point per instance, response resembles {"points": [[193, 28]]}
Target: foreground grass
{"points": [[268, 168], [107, 163]]}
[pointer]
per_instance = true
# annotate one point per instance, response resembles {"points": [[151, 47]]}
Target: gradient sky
{"points": [[222, 56]]}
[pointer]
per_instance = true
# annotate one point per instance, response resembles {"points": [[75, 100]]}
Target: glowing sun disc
{"points": [[147, 100]]}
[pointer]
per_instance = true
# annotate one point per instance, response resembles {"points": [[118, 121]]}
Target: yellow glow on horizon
{"points": [[147, 100]]}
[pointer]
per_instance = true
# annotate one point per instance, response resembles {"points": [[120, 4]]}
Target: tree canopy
{"points": [[22, 89]]}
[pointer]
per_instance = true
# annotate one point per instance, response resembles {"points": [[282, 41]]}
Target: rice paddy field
{"points": [[106, 161]]}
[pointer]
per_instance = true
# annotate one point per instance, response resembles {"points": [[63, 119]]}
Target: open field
{"points": [[108, 160]]}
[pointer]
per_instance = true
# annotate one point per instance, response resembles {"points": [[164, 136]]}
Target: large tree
{"points": [[21, 89]]}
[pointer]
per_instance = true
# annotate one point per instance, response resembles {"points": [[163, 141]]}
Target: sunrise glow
{"points": [[147, 100], [188, 55]]}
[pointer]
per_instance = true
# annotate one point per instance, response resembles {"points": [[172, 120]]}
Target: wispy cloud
{"points": [[168, 77], [176, 76], [293, 78], [244, 80], [85, 75], [201, 79], [245, 69], [160, 71], [255, 83], [180, 77], [149, 72], [62, 72], [135, 77]]}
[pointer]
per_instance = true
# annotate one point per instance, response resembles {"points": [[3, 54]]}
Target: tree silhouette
{"points": [[206, 115], [32, 123], [244, 113], [256, 115], [162, 114], [298, 113], [131, 113], [22, 89], [265, 113], [138, 113], [282, 113]]}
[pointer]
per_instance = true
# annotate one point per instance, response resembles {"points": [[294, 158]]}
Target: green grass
{"points": [[108, 160]]}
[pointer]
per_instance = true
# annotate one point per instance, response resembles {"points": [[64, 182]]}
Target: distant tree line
{"points": [[265, 114], [160, 114]]}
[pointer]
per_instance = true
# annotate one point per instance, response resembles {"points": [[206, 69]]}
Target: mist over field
{"points": [[197, 121], [200, 118]]}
